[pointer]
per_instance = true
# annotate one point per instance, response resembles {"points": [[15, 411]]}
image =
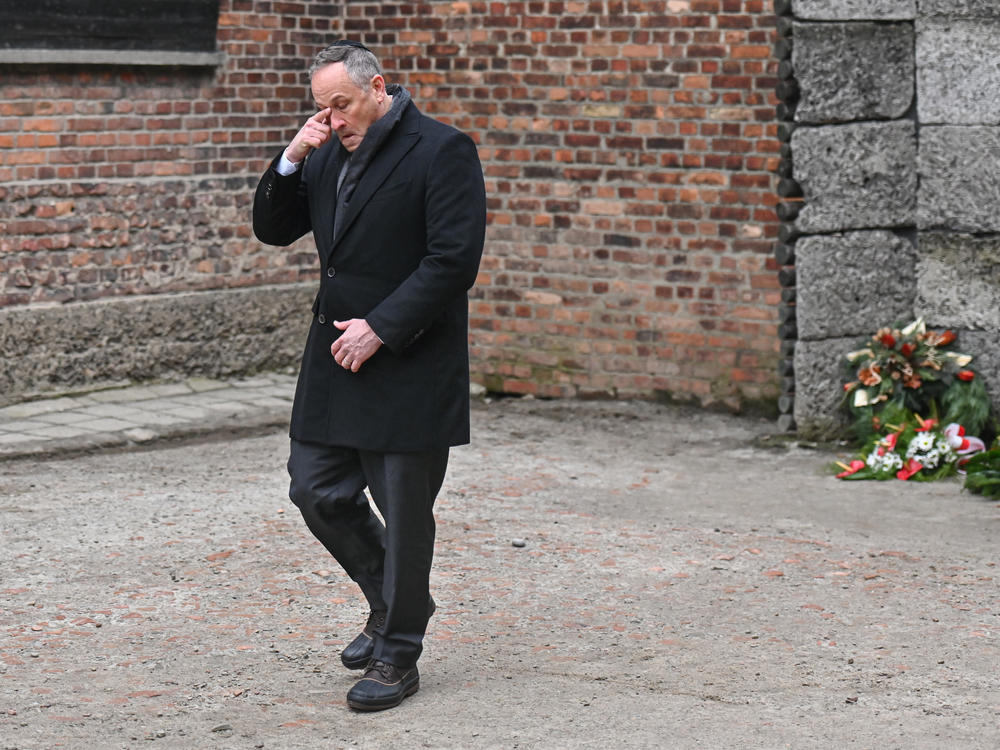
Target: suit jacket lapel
{"points": [[393, 150]]}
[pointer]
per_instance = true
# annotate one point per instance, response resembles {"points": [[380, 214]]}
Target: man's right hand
{"points": [[312, 135]]}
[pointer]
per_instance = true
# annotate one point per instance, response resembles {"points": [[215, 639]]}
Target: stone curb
{"points": [[270, 411], [246, 425], [201, 408]]}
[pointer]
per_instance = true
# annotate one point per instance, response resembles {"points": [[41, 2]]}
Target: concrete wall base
{"points": [[60, 348]]}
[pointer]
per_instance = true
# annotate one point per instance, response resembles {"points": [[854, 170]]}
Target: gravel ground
{"points": [[686, 580]]}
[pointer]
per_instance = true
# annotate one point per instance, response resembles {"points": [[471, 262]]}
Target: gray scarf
{"points": [[375, 136]]}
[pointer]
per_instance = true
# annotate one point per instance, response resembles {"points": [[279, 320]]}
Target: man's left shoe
{"points": [[383, 686], [359, 652]]}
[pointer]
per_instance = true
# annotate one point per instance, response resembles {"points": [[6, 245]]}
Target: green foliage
{"points": [[983, 473], [869, 421], [968, 403]]}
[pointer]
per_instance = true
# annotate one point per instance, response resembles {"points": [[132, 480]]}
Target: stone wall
{"points": [[57, 348], [629, 150], [892, 189]]}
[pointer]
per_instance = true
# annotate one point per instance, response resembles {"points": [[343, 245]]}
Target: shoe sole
{"points": [[383, 706]]}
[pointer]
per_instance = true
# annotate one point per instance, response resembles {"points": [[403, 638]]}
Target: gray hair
{"points": [[359, 62]]}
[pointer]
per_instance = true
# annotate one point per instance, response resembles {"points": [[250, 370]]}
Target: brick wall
{"points": [[628, 149], [126, 179]]}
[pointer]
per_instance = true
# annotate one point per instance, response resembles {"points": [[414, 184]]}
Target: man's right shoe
{"points": [[359, 652], [383, 686]]}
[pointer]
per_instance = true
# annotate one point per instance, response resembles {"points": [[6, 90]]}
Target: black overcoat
{"points": [[406, 253]]}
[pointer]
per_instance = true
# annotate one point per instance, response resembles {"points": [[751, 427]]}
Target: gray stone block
{"points": [[819, 387], [960, 8], [856, 176], [851, 284], [958, 79], [853, 71], [959, 178], [61, 348], [855, 10], [958, 282]]}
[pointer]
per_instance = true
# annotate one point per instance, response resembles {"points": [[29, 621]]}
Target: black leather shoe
{"points": [[383, 686], [359, 652]]}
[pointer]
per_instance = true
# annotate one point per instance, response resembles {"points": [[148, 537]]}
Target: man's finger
{"points": [[322, 116]]}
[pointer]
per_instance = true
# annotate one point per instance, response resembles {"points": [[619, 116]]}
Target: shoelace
{"points": [[380, 668], [375, 620]]}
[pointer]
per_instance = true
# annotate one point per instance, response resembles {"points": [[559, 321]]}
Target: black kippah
{"points": [[350, 43]]}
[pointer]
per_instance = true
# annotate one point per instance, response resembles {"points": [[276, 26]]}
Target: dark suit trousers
{"points": [[390, 563]]}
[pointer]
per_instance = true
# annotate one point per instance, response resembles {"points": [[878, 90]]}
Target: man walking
{"points": [[397, 207]]}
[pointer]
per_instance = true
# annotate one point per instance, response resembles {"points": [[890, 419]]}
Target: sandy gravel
{"points": [[686, 580]]}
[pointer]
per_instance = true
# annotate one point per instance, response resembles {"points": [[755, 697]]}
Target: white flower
{"points": [[887, 462], [931, 449], [921, 442]]}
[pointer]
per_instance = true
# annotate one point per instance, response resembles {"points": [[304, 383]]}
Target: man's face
{"points": [[352, 109]]}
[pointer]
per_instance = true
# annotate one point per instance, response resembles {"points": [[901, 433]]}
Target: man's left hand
{"points": [[355, 345]]}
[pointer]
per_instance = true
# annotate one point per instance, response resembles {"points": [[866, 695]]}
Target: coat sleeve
{"points": [[280, 207], [455, 219]]}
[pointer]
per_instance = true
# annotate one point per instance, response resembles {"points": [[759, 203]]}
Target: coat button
{"points": [[331, 272], [321, 319]]}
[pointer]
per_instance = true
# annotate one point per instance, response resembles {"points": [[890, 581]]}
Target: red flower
{"points": [[856, 466], [965, 375], [889, 441], [942, 338], [907, 349], [886, 337], [911, 468], [870, 375]]}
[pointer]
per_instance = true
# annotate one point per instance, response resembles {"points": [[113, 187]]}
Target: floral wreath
{"points": [[900, 374], [923, 451]]}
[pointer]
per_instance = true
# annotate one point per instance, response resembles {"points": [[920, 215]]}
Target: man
{"points": [[397, 207]]}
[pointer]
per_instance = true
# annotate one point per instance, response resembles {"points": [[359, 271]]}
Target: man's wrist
{"points": [[286, 166], [379, 338]]}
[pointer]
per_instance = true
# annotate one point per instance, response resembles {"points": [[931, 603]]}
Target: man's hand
{"points": [[355, 345], [312, 135]]}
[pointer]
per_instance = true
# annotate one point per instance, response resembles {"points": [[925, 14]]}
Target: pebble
{"points": [[518, 542], [140, 435]]}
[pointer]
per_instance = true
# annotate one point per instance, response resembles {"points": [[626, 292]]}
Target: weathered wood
{"points": [[174, 25]]}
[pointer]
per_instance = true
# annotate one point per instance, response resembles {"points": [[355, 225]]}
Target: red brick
{"points": [[629, 151]]}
